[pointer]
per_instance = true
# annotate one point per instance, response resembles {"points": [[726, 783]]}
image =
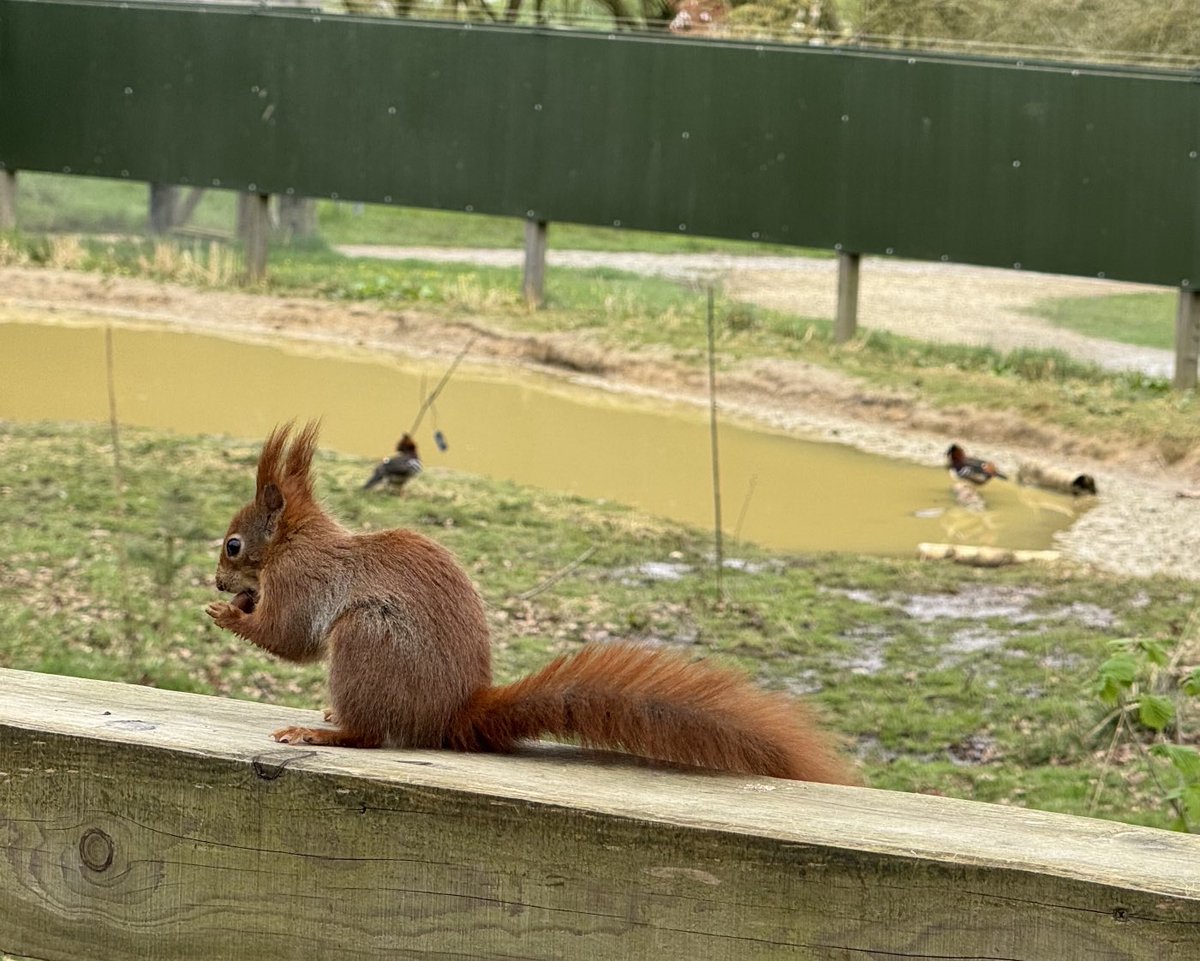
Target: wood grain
{"points": [[145, 824]]}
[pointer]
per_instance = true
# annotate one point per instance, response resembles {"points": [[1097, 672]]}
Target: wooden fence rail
{"points": [[144, 824]]}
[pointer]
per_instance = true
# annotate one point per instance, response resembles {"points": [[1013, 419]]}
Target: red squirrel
{"points": [[410, 654]]}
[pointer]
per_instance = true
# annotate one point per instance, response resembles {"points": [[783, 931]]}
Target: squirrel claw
{"points": [[223, 613], [330, 737], [295, 735]]}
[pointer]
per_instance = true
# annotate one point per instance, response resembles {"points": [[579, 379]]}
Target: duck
{"points": [[971, 468], [398, 469]]}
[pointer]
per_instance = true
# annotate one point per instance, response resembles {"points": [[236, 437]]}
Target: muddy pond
{"points": [[778, 490]]}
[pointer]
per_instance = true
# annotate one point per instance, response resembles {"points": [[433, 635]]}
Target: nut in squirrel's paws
{"points": [[245, 601]]}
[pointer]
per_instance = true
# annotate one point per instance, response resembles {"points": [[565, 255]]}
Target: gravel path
{"points": [[932, 301]]}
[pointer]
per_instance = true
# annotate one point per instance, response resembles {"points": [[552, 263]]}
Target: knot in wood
{"points": [[96, 849]]}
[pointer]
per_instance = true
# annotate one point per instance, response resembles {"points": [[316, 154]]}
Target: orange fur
{"points": [[657, 704], [409, 652]]}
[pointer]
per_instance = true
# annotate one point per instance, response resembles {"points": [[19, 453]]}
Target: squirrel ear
{"points": [[271, 496]]}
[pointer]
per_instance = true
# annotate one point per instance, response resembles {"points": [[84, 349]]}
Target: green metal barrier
{"points": [[1049, 167]]}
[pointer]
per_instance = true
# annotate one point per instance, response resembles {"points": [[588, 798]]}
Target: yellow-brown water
{"points": [[533, 430]]}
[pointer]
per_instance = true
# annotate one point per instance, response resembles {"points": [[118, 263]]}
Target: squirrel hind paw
{"points": [[305, 735], [330, 737]]}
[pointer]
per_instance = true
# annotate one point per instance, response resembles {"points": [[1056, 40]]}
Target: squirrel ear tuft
{"points": [[300, 454], [270, 461], [271, 497]]}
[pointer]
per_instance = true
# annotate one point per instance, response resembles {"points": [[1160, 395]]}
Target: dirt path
{"points": [[1139, 525], [946, 302]]}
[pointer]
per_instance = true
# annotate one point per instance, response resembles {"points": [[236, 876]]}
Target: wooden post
{"points": [[535, 262], [138, 823], [183, 213], [297, 216], [256, 214], [1187, 338], [164, 207], [846, 323], [8, 200]]}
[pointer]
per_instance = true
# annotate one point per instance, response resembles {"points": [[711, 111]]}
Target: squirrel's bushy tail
{"points": [[656, 704]]}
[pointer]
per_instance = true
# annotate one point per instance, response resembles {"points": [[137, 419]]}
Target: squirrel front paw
{"points": [[225, 614]]}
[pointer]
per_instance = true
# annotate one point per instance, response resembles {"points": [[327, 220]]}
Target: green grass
{"points": [[1146, 320], [52, 202], [971, 683], [342, 223], [579, 299]]}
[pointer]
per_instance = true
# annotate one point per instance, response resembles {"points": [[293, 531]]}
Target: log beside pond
{"points": [[1058, 479]]}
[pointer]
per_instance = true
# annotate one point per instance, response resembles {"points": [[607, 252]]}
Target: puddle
{"points": [[973, 640], [653, 571], [803, 495], [978, 604], [983, 603]]}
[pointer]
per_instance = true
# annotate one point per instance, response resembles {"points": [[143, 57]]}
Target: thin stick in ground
{"points": [[737, 528], [112, 412], [557, 575], [716, 460], [428, 402], [118, 486]]}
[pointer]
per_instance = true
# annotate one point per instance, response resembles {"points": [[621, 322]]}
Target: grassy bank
{"points": [[958, 681], [1144, 319]]}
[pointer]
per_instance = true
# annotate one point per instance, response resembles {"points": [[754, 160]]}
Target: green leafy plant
{"points": [[1150, 695]]}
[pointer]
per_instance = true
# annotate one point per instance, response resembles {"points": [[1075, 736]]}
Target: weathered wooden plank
{"points": [[138, 823]]}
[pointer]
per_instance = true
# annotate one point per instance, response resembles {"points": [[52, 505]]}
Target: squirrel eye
{"points": [[233, 546]]}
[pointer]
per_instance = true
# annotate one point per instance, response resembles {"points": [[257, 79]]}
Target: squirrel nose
{"points": [[221, 584]]}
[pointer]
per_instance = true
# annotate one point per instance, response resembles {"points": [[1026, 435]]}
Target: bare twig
{"points": [[1105, 721], [1108, 756], [1123, 725], [737, 530], [428, 402], [716, 461], [118, 487], [557, 576], [1180, 810], [112, 412]]}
